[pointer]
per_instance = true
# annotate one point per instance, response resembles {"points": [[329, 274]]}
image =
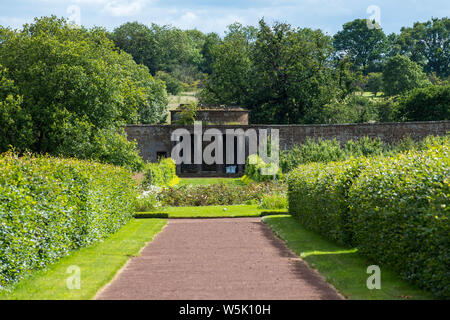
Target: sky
{"points": [[215, 16]]}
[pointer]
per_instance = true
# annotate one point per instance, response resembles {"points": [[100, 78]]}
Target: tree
{"points": [[427, 44], [173, 85], [229, 80], [15, 122], [431, 103], [280, 73], [400, 74], [365, 47], [374, 82], [77, 87], [291, 79], [138, 40], [211, 41]]}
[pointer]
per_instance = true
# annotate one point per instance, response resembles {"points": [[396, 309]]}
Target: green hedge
{"points": [[50, 206], [394, 209], [161, 173]]}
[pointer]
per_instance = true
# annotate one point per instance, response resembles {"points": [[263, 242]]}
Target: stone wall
{"points": [[155, 139]]}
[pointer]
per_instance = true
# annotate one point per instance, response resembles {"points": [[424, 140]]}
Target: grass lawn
{"points": [[211, 212], [208, 181], [98, 264], [343, 268]]}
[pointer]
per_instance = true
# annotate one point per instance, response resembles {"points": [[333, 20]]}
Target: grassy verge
{"points": [[345, 269], [240, 211], [98, 265], [209, 181]]}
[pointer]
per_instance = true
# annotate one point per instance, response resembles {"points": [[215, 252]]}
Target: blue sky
{"points": [[208, 16]]}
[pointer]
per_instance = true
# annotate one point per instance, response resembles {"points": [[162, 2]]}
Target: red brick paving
{"points": [[223, 259]]}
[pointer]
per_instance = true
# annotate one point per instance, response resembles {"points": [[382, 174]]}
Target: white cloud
{"points": [[124, 8]]}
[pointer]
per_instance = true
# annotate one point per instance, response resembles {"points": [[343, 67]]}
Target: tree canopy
{"points": [[75, 87]]}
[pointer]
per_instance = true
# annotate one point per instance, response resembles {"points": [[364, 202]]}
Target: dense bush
{"points": [[325, 151], [257, 170], [50, 206], [161, 173], [173, 85], [274, 201], [426, 104], [217, 194], [352, 109], [394, 209]]}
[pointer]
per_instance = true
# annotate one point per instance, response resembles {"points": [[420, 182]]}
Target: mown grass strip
{"points": [[237, 211], [98, 265], [344, 268]]}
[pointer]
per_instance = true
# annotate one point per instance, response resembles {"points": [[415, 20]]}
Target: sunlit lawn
{"points": [[98, 265], [342, 267]]}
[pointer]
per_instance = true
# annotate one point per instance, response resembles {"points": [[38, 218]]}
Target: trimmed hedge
{"points": [[394, 209], [51, 206], [161, 173]]}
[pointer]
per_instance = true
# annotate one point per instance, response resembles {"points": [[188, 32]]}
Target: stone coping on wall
{"points": [[297, 125]]}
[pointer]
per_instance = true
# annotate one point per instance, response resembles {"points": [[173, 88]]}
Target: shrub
{"points": [[311, 151], [161, 173], [257, 170], [394, 209], [173, 85], [187, 115], [218, 194], [426, 104], [274, 201], [51, 206], [148, 200]]}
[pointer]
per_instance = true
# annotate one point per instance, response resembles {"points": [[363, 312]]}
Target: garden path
{"points": [[223, 259]]}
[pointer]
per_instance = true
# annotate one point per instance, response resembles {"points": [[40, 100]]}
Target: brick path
{"points": [[223, 259]]}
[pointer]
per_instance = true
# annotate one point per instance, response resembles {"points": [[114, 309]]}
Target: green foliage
{"points": [[15, 122], [374, 82], [352, 109], [148, 202], [400, 74], [259, 171], [394, 209], [51, 206], [426, 43], [217, 194], [187, 114], [365, 47], [161, 173], [173, 85], [274, 201], [281, 74], [426, 104], [74, 85], [311, 151]]}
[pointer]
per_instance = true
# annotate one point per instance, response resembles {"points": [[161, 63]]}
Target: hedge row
{"points": [[394, 209], [161, 173], [50, 206]]}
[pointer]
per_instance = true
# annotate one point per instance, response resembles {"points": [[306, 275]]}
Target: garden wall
{"points": [[154, 140]]}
